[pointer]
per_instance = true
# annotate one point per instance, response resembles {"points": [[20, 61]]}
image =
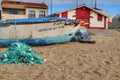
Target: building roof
{"points": [[27, 4], [104, 13]]}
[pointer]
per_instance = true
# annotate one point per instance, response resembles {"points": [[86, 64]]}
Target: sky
{"points": [[111, 6]]}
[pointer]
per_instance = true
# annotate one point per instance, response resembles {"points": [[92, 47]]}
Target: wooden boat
{"points": [[37, 31]]}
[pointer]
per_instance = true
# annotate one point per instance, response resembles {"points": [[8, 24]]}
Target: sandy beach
{"points": [[72, 61]]}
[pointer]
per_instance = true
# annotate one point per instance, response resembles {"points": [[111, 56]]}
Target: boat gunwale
{"points": [[35, 22], [15, 23]]}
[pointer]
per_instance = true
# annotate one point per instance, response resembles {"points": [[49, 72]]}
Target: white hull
{"points": [[52, 32], [36, 30]]}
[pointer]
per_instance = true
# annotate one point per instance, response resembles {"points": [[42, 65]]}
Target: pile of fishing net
{"points": [[20, 52]]}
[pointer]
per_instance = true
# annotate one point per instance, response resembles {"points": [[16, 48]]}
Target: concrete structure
{"points": [[17, 10], [116, 22], [92, 17]]}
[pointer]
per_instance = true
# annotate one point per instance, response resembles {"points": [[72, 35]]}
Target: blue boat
{"points": [[37, 31]]}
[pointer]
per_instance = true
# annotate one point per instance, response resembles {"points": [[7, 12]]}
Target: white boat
{"points": [[37, 31]]}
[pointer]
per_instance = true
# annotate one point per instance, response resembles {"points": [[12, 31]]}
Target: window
{"points": [[31, 14], [83, 8], [119, 19], [13, 11], [0, 14], [42, 14], [99, 17]]}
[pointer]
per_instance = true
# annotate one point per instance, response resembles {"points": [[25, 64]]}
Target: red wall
{"points": [[105, 22], [83, 13], [65, 14]]}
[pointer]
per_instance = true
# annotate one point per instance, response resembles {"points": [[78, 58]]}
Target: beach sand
{"points": [[72, 61]]}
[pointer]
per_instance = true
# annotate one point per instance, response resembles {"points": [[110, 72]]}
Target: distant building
{"points": [[93, 18], [109, 22], [116, 22], [18, 9]]}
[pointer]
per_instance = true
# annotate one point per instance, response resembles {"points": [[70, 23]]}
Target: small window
{"points": [[13, 11], [31, 14], [42, 14], [57, 15], [83, 8], [0, 14], [99, 17]]}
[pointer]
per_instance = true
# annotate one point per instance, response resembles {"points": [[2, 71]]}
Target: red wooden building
{"points": [[92, 17]]}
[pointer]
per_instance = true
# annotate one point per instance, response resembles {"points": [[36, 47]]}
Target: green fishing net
{"points": [[20, 52]]}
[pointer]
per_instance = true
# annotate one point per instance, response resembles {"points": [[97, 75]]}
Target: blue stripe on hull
{"points": [[39, 41]]}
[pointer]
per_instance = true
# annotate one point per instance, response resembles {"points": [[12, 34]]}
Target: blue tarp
{"points": [[30, 20]]}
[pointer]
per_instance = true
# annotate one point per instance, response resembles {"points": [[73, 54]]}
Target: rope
{"points": [[19, 52]]}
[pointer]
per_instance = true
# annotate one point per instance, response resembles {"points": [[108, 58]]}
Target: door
{"points": [[83, 14]]}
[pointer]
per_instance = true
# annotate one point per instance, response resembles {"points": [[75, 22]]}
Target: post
{"points": [[76, 3], [95, 3], [51, 8], [76, 9]]}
